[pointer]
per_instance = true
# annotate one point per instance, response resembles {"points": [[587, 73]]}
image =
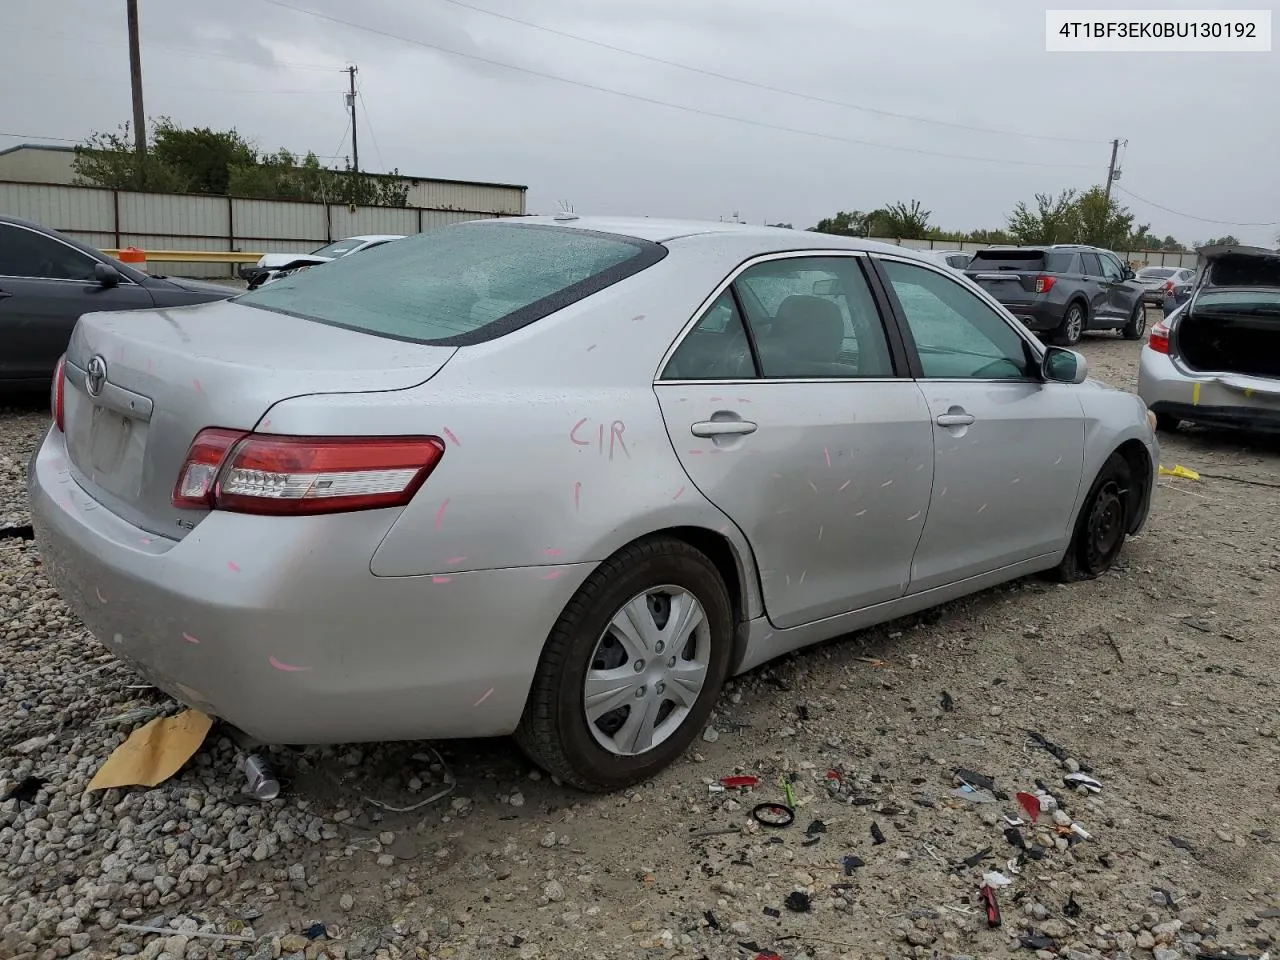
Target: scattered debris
{"points": [[948, 702], [770, 814], [25, 791], [798, 902], [877, 835], [992, 907], [1179, 471], [851, 863], [742, 782], [1071, 908], [1082, 780], [995, 879], [154, 752]]}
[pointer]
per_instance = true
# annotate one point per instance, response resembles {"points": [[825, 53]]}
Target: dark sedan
{"points": [[48, 280]]}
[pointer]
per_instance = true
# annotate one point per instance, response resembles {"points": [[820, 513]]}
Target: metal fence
{"points": [[164, 221], [1137, 258]]}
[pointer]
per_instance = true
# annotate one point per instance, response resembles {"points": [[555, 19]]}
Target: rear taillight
{"points": [[1168, 286], [1159, 341], [56, 392], [1045, 284], [259, 473]]}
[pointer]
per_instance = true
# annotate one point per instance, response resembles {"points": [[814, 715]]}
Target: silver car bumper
{"points": [[1211, 399]]}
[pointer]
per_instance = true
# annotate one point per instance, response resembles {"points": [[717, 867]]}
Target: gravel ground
{"points": [[1159, 679]]}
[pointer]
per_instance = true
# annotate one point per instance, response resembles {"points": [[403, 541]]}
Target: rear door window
{"points": [[461, 285], [1089, 265]]}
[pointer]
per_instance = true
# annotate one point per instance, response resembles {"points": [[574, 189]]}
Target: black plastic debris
{"points": [[1166, 895], [26, 790], [810, 841], [23, 532], [712, 921], [877, 836], [1033, 942], [1072, 909], [979, 781], [1061, 753], [948, 702], [977, 858], [1015, 837], [1107, 860], [316, 931], [816, 827], [802, 711], [772, 912], [1182, 844], [798, 902], [851, 863]]}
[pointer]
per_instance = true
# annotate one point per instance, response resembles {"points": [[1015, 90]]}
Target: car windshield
{"points": [[1031, 260], [1155, 273], [339, 248], [459, 285]]}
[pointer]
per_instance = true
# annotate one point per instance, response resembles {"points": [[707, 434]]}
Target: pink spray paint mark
{"points": [[149, 364], [887, 483], [455, 559], [914, 516], [286, 667], [860, 512], [453, 437], [553, 575], [483, 697], [101, 598], [743, 400], [943, 493], [442, 579], [813, 486], [266, 423], [638, 316], [981, 508], [577, 494], [196, 384], [694, 453], [827, 453], [552, 552], [679, 493], [144, 540], [189, 638], [717, 399], [590, 348], [440, 514], [845, 484], [233, 566], [725, 528]]}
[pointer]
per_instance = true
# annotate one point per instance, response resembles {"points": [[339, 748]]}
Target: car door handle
{"points": [[4, 295], [723, 428], [955, 419]]}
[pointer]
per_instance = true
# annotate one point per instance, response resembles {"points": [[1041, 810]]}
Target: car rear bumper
{"points": [[280, 628], [1040, 318], [1168, 389]]}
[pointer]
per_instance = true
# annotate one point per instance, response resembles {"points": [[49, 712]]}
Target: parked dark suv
{"points": [[1063, 290]]}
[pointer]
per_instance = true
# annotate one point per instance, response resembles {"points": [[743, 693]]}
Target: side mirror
{"points": [[1064, 366], [1129, 274], [106, 274]]}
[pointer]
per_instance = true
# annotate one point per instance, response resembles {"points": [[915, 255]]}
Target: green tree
{"points": [[1055, 219], [201, 156], [1227, 241], [845, 224], [1171, 243], [989, 236], [902, 222], [1102, 222], [108, 159]]}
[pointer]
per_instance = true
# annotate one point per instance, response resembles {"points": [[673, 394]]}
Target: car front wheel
{"points": [[1102, 525], [1137, 325], [632, 668]]}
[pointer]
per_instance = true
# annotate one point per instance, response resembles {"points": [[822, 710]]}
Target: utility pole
{"points": [[135, 78], [351, 102], [1111, 171]]}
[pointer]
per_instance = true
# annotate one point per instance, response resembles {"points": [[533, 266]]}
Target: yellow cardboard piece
{"points": [[1179, 471], [154, 752]]}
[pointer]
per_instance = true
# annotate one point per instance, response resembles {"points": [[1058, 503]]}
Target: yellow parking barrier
{"points": [[194, 256]]}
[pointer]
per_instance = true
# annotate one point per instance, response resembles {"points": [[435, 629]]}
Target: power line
{"points": [[765, 86], [154, 86], [368, 122], [664, 103], [1190, 216], [186, 52], [37, 136]]}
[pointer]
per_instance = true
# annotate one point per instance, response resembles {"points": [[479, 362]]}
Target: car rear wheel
{"points": [[632, 668], [1137, 325], [1102, 525], [1072, 327]]}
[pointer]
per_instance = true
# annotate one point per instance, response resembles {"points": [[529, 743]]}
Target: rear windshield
{"points": [[1156, 273], [1245, 271], [339, 248], [1264, 302], [461, 285], [1047, 261]]}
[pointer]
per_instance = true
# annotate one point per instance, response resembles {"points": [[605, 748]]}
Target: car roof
{"points": [[661, 230], [370, 237]]}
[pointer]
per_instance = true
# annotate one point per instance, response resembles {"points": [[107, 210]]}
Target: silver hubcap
{"points": [[647, 671], [1075, 324]]}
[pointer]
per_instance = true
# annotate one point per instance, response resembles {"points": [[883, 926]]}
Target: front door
{"points": [[1122, 294], [785, 408], [45, 285], [1009, 448]]}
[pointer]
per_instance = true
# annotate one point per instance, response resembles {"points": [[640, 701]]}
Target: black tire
{"points": [[1103, 524], [1137, 325], [1074, 323], [1167, 423], [554, 731]]}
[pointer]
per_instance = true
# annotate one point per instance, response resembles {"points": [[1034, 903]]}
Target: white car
{"points": [[955, 259], [271, 266]]}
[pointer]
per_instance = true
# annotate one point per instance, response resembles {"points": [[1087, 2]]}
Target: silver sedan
{"points": [[562, 477]]}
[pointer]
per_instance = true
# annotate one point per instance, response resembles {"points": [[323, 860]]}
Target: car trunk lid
{"points": [[1232, 326], [140, 386], [1011, 275]]}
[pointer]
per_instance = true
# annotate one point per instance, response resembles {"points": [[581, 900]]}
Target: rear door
{"points": [[789, 408], [45, 285], [1094, 284], [1009, 448]]}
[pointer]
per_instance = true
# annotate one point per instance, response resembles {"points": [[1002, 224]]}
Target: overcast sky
{"points": [[1201, 131]]}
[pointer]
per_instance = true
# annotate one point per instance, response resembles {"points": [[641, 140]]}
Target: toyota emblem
{"points": [[95, 375]]}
